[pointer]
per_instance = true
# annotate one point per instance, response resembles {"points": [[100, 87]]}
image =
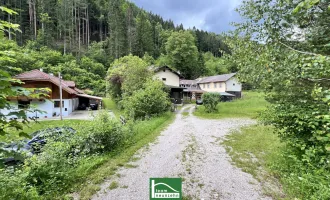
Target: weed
{"points": [[131, 166], [113, 185]]}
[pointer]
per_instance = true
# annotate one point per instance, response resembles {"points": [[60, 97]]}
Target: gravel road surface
{"points": [[189, 148]]}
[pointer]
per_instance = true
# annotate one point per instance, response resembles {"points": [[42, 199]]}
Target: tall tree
{"points": [[144, 34], [292, 66], [117, 25], [183, 53]]}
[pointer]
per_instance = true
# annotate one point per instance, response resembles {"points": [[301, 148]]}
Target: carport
{"points": [[226, 96], [86, 101]]}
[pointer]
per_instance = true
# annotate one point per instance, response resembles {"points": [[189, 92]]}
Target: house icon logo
{"points": [[165, 188]]}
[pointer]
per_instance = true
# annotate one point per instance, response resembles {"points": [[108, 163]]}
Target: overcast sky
{"points": [[210, 15]]}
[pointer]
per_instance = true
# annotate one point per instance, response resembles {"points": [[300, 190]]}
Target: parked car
{"points": [[199, 102], [82, 107], [94, 106], [14, 153]]}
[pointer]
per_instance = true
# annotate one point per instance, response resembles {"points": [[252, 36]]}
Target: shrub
{"points": [[104, 134], [13, 186], [210, 101], [148, 101], [54, 170]]}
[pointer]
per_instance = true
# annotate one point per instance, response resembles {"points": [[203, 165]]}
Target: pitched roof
{"points": [[41, 76], [157, 69], [188, 82], [218, 78], [71, 84]]}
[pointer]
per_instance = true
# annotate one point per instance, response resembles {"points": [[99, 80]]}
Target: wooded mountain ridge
{"points": [[123, 28]]}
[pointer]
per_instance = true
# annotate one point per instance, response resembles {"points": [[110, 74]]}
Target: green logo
{"points": [[165, 188]]}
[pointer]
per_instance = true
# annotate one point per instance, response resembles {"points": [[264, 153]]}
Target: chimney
{"points": [[41, 70]]}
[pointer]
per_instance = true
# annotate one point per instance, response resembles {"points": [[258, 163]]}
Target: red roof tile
{"points": [[71, 84], [39, 75]]}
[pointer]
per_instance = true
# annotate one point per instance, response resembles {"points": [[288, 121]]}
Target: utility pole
{"points": [[59, 76]]}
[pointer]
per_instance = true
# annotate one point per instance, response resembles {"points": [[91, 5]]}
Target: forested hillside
{"points": [[92, 34]]}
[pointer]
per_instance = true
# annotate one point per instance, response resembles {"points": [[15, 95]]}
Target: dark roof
{"points": [[157, 69], [174, 87], [218, 78], [226, 94], [188, 82], [37, 75]]}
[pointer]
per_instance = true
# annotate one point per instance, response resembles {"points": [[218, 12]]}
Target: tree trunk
{"points": [[88, 28], [79, 31], [9, 31], [35, 19], [64, 29]]}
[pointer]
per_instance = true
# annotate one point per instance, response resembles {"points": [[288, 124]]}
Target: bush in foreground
{"points": [[54, 171], [149, 101], [210, 101]]}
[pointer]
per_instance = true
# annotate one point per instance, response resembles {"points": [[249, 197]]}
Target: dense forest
{"points": [[93, 34]]}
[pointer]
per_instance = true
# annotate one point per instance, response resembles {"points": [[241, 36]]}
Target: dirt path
{"points": [[188, 148]]}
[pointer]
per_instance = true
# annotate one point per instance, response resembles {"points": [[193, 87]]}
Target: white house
{"points": [[225, 84], [72, 97], [171, 79]]}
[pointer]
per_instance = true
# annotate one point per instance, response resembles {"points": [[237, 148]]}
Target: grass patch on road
{"points": [[257, 150], [251, 104], [144, 133]]}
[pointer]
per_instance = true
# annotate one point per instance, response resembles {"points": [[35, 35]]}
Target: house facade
{"points": [[192, 90], [72, 97], [171, 79], [227, 85], [222, 83]]}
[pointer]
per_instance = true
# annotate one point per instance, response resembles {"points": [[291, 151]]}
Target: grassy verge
{"points": [[106, 166], [110, 104], [258, 151], [248, 107], [35, 126]]}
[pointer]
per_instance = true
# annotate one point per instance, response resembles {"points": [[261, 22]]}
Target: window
{"points": [[233, 84], [220, 85], [57, 104], [215, 85], [164, 70], [203, 85], [164, 79], [23, 104], [208, 85]]}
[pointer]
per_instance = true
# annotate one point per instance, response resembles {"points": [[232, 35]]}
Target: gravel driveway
{"points": [[189, 148]]}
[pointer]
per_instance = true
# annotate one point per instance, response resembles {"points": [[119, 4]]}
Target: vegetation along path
{"points": [[189, 148]]}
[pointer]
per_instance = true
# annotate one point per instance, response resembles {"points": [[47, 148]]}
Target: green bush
{"points": [[104, 134], [14, 186], [52, 172], [149, 101], [210, 101]]}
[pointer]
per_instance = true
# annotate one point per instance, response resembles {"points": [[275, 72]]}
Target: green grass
{"points": [[110, 104], [36, 126], [248, 107], [96, 171], [258, 151], [113, 185], [254, 149]]}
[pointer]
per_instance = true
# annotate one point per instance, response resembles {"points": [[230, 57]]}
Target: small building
{"points": [[225, 84], [171, 79], [192, 90], [72, 97]]}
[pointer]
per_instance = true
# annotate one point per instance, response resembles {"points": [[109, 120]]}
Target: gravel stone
{"points": [[189, 148]]}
